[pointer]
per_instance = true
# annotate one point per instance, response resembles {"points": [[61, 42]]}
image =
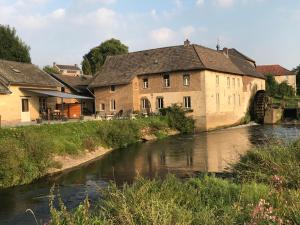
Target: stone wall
{"points": [[235, 93], [217, 99], [123, 96]]}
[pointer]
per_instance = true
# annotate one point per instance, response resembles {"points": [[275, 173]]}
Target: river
{"points": [[181, 155]]}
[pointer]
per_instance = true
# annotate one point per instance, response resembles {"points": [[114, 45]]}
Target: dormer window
{"points": [[166, 79], [145, 83], [112, 88]]}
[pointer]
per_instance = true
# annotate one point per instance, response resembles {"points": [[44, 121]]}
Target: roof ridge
{"points": [[151, 49], [5, 60], [198, 55]]}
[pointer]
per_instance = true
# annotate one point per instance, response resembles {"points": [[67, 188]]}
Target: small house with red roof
{"points": [[280, 73]]}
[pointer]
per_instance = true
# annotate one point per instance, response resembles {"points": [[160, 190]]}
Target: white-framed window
{"points": [[239, 100], [160, 102], [238, 82], [229, 100], [217, 80], [145, 103], [250, 86], [233, 82], [102, 106], [228, 82], [113, 105], [145, 83], [112, 88], [186, 79], [187, 102], [166, 79]]}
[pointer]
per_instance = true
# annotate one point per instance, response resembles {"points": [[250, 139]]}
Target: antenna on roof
{"points": [[218, 45]]}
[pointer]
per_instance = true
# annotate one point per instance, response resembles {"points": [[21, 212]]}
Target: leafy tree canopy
{"points": [[297, 71], [12, 47], [274, 89], [96, 57], [51, 70]]}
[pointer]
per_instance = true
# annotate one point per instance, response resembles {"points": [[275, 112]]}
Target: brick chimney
{"points": [[225, 51], [187, 43]]}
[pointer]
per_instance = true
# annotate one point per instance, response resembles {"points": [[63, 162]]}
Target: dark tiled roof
{"points": [[68, 67], [77, 83], [122, 68], [275, 70], [3, 88], [25, 74], [234, 52]]}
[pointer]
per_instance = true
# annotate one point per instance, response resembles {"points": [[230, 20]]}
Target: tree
{"points": [[96, 57], [297, 71], [12, 47], [271, 85], [274, 89], [285, 90], [51, 70]]}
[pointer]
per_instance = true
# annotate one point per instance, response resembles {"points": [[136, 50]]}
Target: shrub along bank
{"points": [[27, 152], [264, 190]]}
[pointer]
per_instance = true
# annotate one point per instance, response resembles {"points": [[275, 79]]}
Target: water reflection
{"points": [[180, 155]]}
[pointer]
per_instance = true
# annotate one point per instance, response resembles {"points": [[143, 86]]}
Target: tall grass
{"points": [[194, 201], [270, 164]]}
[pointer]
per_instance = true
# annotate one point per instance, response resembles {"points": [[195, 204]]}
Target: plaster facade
{"points": [[11, 105]]}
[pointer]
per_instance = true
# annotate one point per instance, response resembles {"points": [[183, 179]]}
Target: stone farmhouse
{"points": [[68, 70], [280, 74], [214, 86]]}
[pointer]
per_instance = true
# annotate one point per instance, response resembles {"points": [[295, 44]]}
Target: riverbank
{"points": [[69, 162], [31, 152], [264, 189]]}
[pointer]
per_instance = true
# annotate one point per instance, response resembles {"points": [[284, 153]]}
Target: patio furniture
{"points": [[56, 114]]}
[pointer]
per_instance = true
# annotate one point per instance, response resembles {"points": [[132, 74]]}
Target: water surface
{"points": [[180, 155]]}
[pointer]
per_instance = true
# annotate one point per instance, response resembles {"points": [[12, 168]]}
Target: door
{"points": [[25, 113]]}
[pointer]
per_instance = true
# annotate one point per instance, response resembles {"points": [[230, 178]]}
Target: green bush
{"points": [[177, 119], [119, 134]]}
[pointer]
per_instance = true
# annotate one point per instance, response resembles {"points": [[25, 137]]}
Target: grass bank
{"points": [[264, 190], [27, 153]]}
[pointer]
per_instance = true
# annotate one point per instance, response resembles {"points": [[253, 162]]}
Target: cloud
{"points": [[224, 3], [188, 31], [163, 35], [200, 3], [105, 2], [58, 13]]}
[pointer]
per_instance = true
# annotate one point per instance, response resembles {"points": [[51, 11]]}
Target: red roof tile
{"points": [[275, 70]]}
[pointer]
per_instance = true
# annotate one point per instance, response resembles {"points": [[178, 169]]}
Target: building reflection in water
{"points": [[212, 152]]}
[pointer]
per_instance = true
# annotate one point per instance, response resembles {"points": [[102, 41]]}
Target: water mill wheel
{"points": [[260, 105]]}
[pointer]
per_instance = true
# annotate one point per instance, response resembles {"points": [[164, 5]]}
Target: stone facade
{"points": [[216, 99]]}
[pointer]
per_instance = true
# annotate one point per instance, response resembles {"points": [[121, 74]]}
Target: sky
{"points": [[63, 31]]}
